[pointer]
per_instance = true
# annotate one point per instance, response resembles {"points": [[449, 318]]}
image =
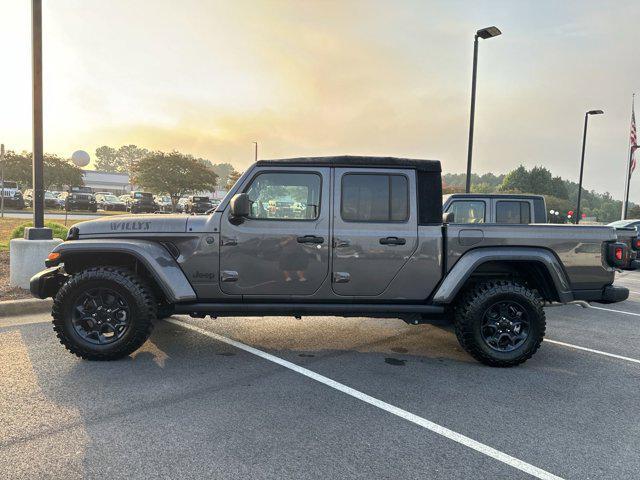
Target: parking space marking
{"points": [[616, 311], [591, 350], [404, 414]]}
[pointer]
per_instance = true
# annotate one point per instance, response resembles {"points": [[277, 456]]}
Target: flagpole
{"points": [[625, 202]]}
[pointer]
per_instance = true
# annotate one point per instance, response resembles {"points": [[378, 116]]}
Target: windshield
{"points": [[49, 195], [200, 199], [110, 198], [10, 184], [146, 196]]}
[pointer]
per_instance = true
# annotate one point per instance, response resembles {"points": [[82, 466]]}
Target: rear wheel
{"points": [[104, 313], [500, 323]]}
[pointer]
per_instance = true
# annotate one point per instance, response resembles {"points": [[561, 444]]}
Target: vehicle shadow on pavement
{"points": [[93, 412]]}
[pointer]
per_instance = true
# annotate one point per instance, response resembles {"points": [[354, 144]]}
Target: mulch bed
{"points": [[7, 292]]}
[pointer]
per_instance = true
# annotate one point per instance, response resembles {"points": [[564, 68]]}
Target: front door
{"points": [[375, 228], [282, 248]]}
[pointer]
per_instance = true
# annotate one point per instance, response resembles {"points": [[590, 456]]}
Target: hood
{"points": [[133, 224]]}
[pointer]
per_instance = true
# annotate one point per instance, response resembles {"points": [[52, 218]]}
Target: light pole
{"points": [[255, 151], [38, 232], [584, 142], [484, 33]]}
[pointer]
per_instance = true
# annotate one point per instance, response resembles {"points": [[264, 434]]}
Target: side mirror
{"points": [[240, 205], [448, 217]]}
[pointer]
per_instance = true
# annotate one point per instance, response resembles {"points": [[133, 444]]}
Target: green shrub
{"points": [[59, 231]]}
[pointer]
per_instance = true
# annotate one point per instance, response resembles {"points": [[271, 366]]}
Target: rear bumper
{"points": [[46, 283], [609, 294]]}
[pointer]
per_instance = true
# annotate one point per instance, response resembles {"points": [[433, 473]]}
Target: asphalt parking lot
{"points": [[325, 398]]}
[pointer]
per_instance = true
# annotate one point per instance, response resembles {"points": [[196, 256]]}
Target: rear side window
{"points": [[468, 211], [374, 198], [513, 212]]}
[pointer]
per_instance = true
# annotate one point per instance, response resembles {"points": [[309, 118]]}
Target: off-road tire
{"points": [[469, 313], [134, 289]]}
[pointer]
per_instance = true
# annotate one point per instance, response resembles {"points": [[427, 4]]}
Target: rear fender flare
{"points": [[471, 260], [157, 260]]}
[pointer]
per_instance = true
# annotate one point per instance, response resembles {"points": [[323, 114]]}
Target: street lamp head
{"points": [[595, 112], [488, 32]]}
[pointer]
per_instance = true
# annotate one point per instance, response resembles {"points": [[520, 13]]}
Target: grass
{"points": [[7, 225]]}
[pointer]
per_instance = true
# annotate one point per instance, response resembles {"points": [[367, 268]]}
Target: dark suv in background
{"points": [[198, 204], [79, 201], [141, 202]]}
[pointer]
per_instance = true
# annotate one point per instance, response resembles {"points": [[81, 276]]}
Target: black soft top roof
{"points": [[356, 161], [527, 196]]}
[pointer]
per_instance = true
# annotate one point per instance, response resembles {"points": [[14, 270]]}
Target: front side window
{"points": [[467, 211], [285, 196], [374, 198], [513, 212]]}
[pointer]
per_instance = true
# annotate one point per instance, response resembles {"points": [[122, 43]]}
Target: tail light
{"points": [[617, 254], [636, 244]]}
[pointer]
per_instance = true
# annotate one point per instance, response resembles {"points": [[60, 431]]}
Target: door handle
{"points": [[392, 241], [310, 239], [228, 241]]}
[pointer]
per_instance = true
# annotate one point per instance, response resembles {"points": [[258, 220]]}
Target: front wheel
{"points": [[104, 313], [500, 323]]}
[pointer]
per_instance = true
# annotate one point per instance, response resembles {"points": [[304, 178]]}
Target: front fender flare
{"points": [[471, 260], [157, 260]]}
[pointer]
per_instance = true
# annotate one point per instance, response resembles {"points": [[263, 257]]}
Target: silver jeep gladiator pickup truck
{"points": [[343, 236]]}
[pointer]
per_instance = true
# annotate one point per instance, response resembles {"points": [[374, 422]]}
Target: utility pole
{"points": [[584, 144], [255, 151]]}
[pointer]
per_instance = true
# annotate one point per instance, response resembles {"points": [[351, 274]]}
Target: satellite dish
{"points": [[80, 158]]}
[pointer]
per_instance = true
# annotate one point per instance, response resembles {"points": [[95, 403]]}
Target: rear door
{"points": [[375, 228], [282, 248]]}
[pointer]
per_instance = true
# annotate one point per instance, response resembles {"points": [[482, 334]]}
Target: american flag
{"points": [[633, 141]]}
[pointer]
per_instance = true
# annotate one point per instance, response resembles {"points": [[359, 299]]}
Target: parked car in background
{"points": [[12, 195], [141, 202], [495, 208], [109, 202], [198, 204], [164, 203], [51, 200], [182, 204], [28, 197], [79, 201]]}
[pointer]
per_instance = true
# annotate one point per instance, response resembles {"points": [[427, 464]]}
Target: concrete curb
{"points": [[11, 308]]}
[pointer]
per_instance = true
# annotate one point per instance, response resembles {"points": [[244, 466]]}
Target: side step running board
{"points": [[296, 309]]}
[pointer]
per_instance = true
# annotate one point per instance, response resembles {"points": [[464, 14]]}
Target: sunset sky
{"points": [[331, 77]]}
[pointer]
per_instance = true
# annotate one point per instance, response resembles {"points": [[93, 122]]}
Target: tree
{"points": [[128, 156], [59, 173], [107, 159], [17, 167], [232, 179], [517, 180], [223, 170], [174, 174], [540, 180]]}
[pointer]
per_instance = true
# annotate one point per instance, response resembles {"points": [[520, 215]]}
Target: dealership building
{"points": [[119, 184]]}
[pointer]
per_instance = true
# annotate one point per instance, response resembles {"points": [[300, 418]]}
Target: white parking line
{"points": [[433, 427], [616, 311], [591, 350]]}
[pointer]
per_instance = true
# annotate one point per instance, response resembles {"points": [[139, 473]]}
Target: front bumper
{"points": [[46, 283], [14, 202]]}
